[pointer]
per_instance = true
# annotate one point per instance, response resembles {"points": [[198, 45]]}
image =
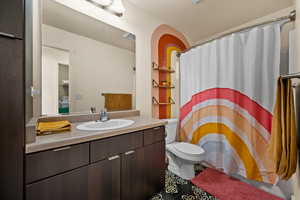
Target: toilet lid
{"points": [[188, 148]]}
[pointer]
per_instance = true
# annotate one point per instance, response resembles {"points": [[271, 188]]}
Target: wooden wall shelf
{"points": [[161, 69], [162, 86], [164, 70], [164, 103], [156, 102], [156, 85]]}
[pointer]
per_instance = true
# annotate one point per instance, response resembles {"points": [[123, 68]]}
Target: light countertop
{"points": [[76, 136]]}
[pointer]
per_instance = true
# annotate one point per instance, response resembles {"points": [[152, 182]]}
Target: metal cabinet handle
{"points": [[62, 149], [129, 152], [113, 158], [7, 35]]}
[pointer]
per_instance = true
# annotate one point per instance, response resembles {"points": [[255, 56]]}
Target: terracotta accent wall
{"points": [[165, 40]]}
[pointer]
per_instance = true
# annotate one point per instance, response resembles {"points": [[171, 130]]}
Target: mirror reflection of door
{"points": [[55, 84], [63, 91]]}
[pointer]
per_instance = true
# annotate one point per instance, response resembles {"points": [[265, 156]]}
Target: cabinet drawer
{"points": [[105, 148], [71, 185], [154, 135], [48, 163]]}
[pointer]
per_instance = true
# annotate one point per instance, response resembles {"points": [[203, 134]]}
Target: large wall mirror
{"points": [[85, 63]]}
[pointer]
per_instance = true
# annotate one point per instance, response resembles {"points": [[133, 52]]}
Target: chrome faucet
{"points": [[104, 115]]}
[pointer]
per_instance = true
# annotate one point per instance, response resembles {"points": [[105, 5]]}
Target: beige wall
{"points": [[95, 68], [280, 13], [141, 24]]}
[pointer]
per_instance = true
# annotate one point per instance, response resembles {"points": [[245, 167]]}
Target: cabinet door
{"points": [[72, 185], [104, 179], [11, 116], [12, 17], [132, 180], [154, 164]]}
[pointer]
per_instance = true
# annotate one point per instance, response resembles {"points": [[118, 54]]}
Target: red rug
{"points": [[225, 187]]}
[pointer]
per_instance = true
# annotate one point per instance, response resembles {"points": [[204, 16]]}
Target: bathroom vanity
{"points": [[125, 164]]}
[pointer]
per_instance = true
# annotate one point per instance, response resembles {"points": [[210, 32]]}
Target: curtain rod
{"points": [[291, 76], [291, 17]]}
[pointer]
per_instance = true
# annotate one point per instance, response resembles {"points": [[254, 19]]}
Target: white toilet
{"points": [[182, 156]]}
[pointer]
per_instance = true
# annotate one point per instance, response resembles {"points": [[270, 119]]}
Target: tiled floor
{"points": [[179, 189]]}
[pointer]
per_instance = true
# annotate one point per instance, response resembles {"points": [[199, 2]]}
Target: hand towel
{"points": [[53, 127], [283, 145]]}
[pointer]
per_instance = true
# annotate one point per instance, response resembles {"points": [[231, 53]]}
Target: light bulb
{"points": [[102, 2], [117, 7]]}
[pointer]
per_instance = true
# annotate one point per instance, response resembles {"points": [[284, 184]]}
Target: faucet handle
{"points": [[93, 110]]}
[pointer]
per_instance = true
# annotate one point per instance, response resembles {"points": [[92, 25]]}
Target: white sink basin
{"points": [[103, 126]]}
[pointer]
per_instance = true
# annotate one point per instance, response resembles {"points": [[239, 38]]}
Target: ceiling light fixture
{"points": [[114, 6], [103, 3], [129, 36], [117, 7]]}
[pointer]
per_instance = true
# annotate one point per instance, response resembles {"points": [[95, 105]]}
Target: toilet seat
{"points": [[186, 151], [188, 148]]}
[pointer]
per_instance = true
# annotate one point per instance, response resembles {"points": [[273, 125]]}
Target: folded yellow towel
{"points": [[44, 128]]}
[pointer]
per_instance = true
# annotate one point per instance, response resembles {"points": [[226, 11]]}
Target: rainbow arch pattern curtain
{"points": [[228, 91]]}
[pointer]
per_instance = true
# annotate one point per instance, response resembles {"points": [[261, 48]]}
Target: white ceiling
{"points": [[209, 17], [59, 16]]}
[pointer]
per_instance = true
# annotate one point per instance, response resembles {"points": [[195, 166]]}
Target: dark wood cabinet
{"points": [[11, 116], [120, 168], [133, 175], [104, 179], [71, 185], [154, 168], [12, 18], [154, 135]]}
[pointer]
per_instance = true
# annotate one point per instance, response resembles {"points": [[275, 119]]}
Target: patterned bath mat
{"points": [[180, 189]]}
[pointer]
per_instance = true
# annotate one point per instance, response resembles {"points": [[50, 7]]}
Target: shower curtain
{"points": [[228, 90]]}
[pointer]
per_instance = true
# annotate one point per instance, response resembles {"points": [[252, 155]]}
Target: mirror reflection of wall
{"points": [[54, 63], [83, 58]]}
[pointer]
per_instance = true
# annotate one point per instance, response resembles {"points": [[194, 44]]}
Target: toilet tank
{"points": [[171, 130]]}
